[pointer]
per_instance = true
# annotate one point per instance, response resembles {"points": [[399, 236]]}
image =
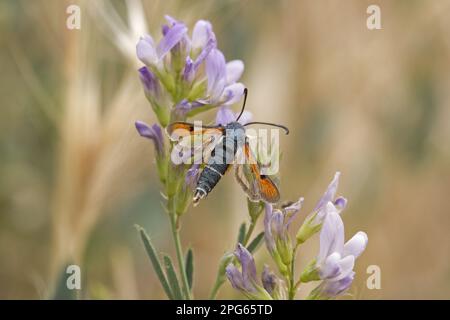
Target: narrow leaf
{"points": [[254, 245], [242, 231], [155, 261], [173, 280], [190, 267]]}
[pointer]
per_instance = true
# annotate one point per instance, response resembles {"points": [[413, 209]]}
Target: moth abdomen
{"points": [[210, 176]]}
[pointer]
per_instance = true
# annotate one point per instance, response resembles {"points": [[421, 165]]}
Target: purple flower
{"points": [[190, 72], [314, 220], [336, 260], [328, 196], [152, 87], [153, 133], [246, 280], [276, 234], [184, 192], [225, 115], [151, 54], [201, 36], [222, 88], [272, 284]]}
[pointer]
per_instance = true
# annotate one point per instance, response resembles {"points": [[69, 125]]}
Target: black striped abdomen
{"points": [[221, 157], [210, 176]]}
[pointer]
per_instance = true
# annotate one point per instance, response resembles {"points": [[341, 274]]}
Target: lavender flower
{"points": [[272, 284], [277, 238], [151, 54], [187, 75], [335, 260], [225, 115], [246, 280], [155, 134], [154, 94], [222, 88], [184, 194], [314, 220]]}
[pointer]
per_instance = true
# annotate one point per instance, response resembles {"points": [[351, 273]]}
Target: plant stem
{"points": [[179, 250], [215, 289], [292, 285], [249, 233]]}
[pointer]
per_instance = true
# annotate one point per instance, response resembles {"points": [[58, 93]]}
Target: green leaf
{"points": [[242, 231], [256, 242], [155, 261], [190, 267], [173, 280]]}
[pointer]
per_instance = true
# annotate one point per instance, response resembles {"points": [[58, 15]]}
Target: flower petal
{"points": [[292, 210], [330, 267], [356, 245], [329, 193], [188, 72], [248, 265], [204, 53], [149, 81], [334, 288], [215, 73], [332, 234], [234, 69], [235, 277], [232, 93], [172, 37], [225, 116], [146, 51], [346, 265], [201, 34], [154, 133], [340, 203], [270, 242], [269, 280]]}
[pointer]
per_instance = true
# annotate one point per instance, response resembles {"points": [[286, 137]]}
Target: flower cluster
{"points": [[183, 76], [333, 264]]}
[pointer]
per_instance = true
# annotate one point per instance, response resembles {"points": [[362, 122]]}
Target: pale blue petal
{"points": [[146, 51], [329, 193], [234, 69], [201, 34], [224, 116], [232, 93], [173, 36], [356, 245], [215, 73]]}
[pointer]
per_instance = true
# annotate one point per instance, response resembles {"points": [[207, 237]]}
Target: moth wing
{"points": [[257, 186], [193, 141]]}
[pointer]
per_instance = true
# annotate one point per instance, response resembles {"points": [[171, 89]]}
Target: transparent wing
{"points": [[247, 172], [193, 144]]}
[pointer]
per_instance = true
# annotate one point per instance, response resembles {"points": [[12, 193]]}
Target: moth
{"points": [[221, 147]]}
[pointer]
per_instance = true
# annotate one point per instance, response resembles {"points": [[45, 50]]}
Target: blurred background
{"points": [[75, 177]]}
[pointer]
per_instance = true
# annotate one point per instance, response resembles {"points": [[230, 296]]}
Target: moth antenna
{"points": [[269, 124], [243, 105]]}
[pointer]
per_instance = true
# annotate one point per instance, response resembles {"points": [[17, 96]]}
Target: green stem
{"points": [[292, 285], [178, 248], [249, 233], [215, 289]]}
